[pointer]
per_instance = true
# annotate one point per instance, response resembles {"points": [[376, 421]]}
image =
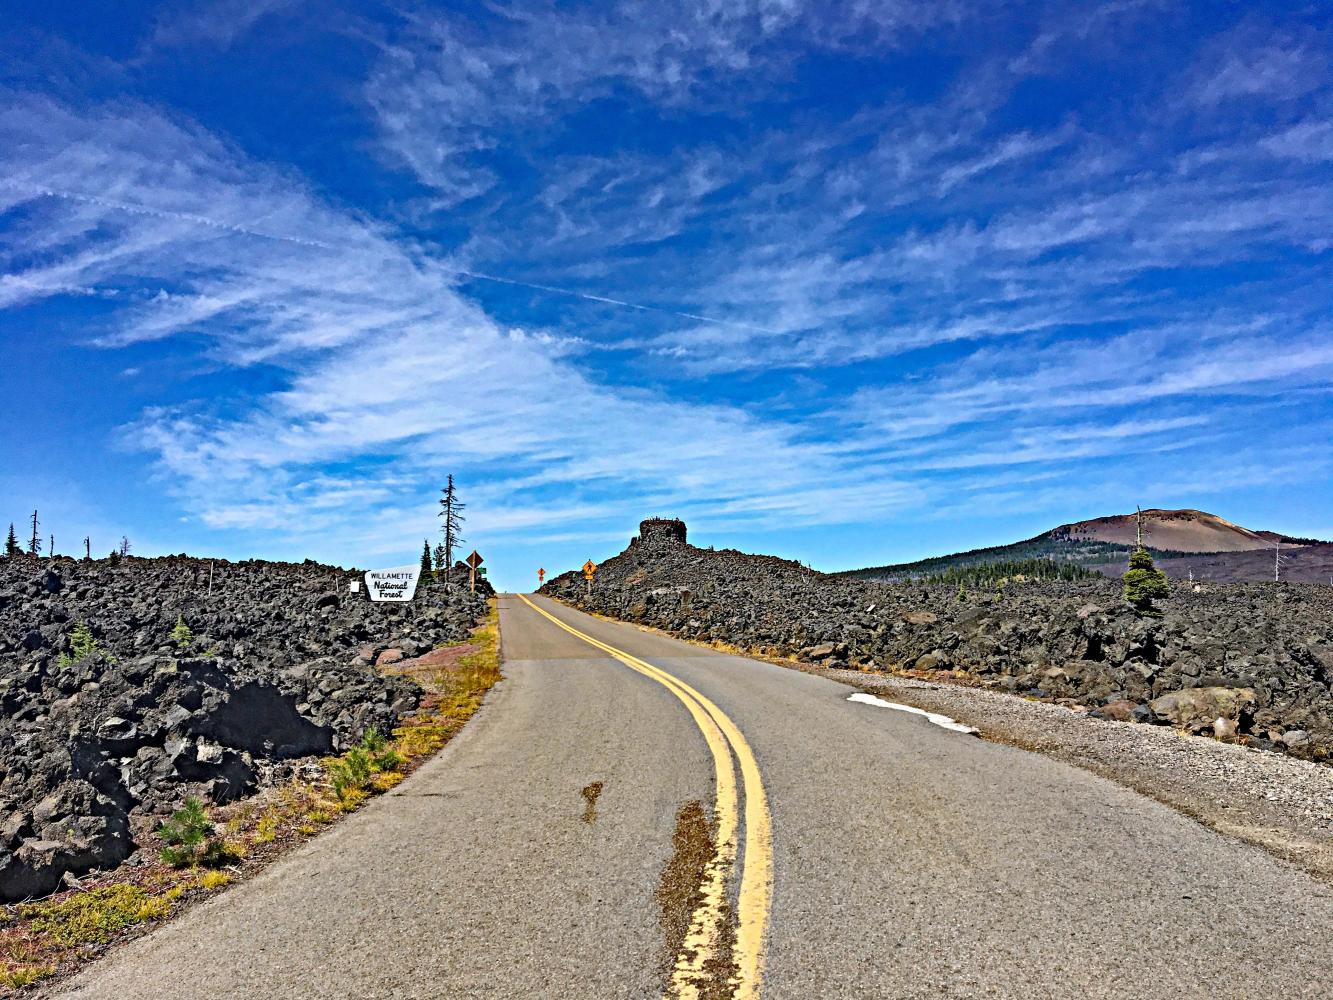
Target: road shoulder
{"points": [[1272, 801]]}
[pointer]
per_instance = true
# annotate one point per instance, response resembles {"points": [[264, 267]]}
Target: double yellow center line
{"points": [[756, 885]]}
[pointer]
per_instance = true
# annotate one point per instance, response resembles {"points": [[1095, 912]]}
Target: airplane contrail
{"points": [[159, 213], [610, 301], [203, 220]]}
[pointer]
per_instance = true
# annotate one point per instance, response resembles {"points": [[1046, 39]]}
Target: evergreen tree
{"points": [[1143, 580], [12, 543], [425, 559], [182, 635], [439, 560], [982, 574], [451, 509]]}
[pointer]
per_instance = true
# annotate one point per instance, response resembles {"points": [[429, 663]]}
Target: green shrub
{"points": [[182, 635], [1144, 581], [188, 825], [387, 759], [354, 771], [191, 840], [82, 644], [350, 772], [382, 756]]}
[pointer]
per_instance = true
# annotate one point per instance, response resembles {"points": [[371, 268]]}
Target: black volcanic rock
{"points": [[276, 670], [1078, 640]]}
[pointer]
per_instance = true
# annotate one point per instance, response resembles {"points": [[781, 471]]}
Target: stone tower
{"points": [[658, 531]]}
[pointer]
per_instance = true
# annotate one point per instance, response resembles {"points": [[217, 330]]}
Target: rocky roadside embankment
{"points": [[1245, 662], [125, 688]]}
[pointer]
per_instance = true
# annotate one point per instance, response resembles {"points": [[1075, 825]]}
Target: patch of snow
{"points": [[943, 721]]}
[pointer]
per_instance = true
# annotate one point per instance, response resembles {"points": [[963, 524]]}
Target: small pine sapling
{"points": [[182, 635], [350, 772], [190, 839], [82, 644], [382, 756], [1144, 581]]}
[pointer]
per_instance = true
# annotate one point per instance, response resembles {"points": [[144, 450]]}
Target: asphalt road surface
{"points": [[862, 852]]}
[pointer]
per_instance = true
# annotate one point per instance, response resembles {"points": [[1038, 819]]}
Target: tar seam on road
{"points": [[756, 887]]}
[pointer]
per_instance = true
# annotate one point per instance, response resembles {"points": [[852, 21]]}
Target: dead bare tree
{"points": [[1139, 529], [451, 509], [35, 542]]}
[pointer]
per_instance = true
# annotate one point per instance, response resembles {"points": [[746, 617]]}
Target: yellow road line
{"points": [[756, 888], [706, 923]]}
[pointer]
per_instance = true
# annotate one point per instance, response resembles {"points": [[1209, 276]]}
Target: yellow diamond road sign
{"points": [[589, 568]]}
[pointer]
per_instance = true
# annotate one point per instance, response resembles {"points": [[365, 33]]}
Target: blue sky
{"points": [[852, 283]]}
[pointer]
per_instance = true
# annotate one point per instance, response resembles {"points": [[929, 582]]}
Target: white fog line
{"points": [[943, 721]]}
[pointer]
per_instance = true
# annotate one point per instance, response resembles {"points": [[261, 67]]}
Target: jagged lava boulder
{"points": [[278, 668]]}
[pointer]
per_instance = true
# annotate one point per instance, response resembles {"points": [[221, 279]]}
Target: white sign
{"points": [[354, 586], [392, 584]]}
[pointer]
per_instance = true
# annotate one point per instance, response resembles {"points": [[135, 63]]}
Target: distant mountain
{"points": [[1184, 542], [1173, 530]]}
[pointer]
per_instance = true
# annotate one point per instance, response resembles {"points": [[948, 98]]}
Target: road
{"points": [[859, 852]]}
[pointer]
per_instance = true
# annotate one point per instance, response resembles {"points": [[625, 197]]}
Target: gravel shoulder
{"points": [[1271, 800]]}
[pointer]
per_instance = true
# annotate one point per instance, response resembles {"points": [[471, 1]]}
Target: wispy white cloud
{"points": [[211, 22], [444, 87], [1309, 141], [392, 376], [1256, 61]]}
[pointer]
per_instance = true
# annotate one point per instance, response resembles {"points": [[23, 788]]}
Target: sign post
{"points": [[473, 561], [541, 576], [397, 584], [589, 568]]}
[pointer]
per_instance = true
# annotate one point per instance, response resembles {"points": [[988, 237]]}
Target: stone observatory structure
{"points": [[659, 531]]}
